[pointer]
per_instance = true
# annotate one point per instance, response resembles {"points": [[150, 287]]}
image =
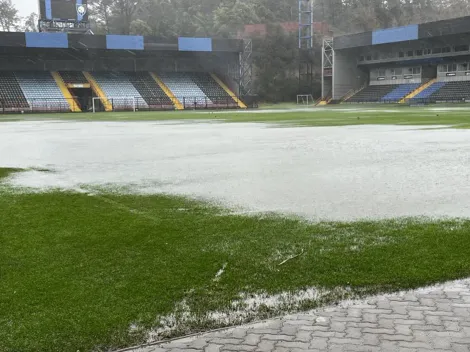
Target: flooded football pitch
{"points": [[334, 173]]}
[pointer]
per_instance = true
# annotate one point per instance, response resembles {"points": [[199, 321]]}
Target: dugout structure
{"points": [[427, 61]]}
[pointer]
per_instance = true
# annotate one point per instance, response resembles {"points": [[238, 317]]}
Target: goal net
{"points": [[305, 99], [118, 104]]}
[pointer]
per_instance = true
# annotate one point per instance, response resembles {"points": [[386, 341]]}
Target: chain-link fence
{"points": [[122, 104], [427, 101], [372, 101]]}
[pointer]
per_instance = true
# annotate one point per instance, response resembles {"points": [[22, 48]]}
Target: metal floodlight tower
{"points": [[306, 73], [328, 56], [246, 69], [305, 24]]}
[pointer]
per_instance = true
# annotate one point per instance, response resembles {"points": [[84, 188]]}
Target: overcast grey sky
{"points": [[25, 7]]}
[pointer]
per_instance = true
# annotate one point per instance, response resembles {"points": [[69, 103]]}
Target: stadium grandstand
{"points": [[80, 72], [425, 63]]}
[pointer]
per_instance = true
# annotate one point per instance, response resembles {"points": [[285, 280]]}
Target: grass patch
{"points": [[96, 272], [6, 172], [288, 115]]}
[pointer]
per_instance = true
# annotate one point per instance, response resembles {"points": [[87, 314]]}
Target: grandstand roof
{"points": [[117, 42], [406, 33]]}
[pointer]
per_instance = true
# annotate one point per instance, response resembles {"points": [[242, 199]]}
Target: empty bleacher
{"points": [[212, 89], [426, 93], [452, 91], [150, 91], [44, 91], [400, 92], [73, 77], [119, 90], [372, 93], [185, 89], [41, 91], [11, 95]]}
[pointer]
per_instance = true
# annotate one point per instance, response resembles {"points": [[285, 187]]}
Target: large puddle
{"points": [[337, 173]]}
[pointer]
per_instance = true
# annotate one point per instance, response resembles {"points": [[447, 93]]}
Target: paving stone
{"points": [[227, 340], [370, 339], [369, 318], [424, 320], [277, 337], [336, 348], [415, 344], [416, 315], [386, 324], [433, 320], [320, 343], [239, 333], [427, 327], [338, 326], [396, 338], [452, 326], [238, 347], [212, 348], [403, 329], [266, 346], [289, 330], [361, 348], [353, 333], [362, 325], [460, 348], [303, 336], [345, 341], [252, 339], [379, 331], [294, 344]]}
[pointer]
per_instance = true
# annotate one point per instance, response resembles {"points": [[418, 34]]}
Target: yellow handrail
{"points": [[98, 91], [167, 91], [418, 90], [65, 92], [228, 91]]}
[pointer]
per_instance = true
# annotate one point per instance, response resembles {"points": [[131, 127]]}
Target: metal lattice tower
{"points": [[246, 69], [306, 73], [327, 66], [305, 24]]}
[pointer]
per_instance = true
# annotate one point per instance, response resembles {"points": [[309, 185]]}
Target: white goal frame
{"points": [[113, 100], [305, 99]]}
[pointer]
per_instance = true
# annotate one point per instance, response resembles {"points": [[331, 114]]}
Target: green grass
{"points": [[340, 115], [77, 270], [5, 172]]}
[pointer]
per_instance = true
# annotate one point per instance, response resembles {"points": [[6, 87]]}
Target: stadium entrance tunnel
{"points": [[84, 98]]}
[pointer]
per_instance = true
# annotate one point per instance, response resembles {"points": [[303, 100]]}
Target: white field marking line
{"points": [[220, 272], [290, 258], [123, 207]]}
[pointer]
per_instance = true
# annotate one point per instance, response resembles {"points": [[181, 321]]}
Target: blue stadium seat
{"points": [[11, 95], [119, 90], [372, 93], [400, 92], [426, 93], [41, 91], [452, 91], [153, 95], [185, 89]]}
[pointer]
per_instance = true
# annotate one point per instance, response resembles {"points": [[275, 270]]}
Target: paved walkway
{"points": [[436, 318]]}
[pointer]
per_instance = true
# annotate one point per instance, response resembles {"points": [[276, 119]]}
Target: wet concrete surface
{"points": [[335, 173]]}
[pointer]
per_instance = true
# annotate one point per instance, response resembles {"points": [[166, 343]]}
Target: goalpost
{"points": [[120, 103], [305, 99]]}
